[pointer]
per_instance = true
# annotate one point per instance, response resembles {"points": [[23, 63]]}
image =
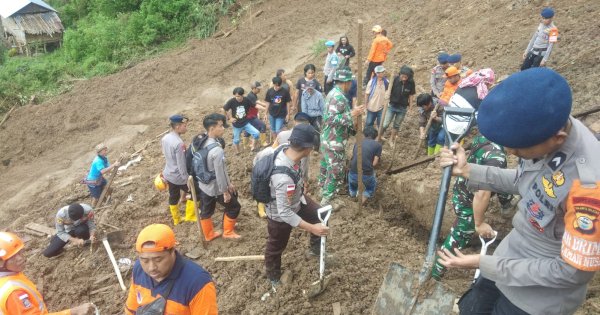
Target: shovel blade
{"points": [[398, 290], [115, 237], [317, 288]]}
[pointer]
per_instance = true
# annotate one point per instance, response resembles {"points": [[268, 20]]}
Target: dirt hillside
{"points": [[46, 149]]}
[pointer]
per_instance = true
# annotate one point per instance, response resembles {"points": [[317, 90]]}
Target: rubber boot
{"points": [[263, 140], [175, 214], [190, 211], [437, 149], [261, 210], [208, 230], [228, 228], [430, 151]]}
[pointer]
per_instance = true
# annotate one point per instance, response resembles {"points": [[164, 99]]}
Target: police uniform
{"points": [[67, 228]]}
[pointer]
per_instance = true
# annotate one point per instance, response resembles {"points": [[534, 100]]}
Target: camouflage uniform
{"points": [[483, 152], [337, 128]]}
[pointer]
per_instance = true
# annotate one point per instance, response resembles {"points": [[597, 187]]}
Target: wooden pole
{"points": [[241, 258], [192, 189], [111, 179], [359, 131]]}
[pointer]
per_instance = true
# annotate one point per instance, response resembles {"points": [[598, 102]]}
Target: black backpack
{"points": [[262, 172], [196, 159]]}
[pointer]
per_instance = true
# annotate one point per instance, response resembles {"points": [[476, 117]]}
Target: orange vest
{"points": [[448, 91], [380, 47], [31, 303]]}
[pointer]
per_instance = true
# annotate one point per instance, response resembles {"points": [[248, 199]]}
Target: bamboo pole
{"points": [[359, 131]]}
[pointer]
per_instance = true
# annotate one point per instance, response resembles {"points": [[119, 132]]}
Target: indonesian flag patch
{"points": [[25, 300]]}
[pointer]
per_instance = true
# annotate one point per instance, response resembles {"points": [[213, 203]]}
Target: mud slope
{"points": [[46, 148]]}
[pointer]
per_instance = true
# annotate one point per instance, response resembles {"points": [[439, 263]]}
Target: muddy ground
{"points": [[46, 148]]}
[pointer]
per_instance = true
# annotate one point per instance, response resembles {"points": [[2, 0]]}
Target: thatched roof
{"points": [[11, 7], [37, 23]]}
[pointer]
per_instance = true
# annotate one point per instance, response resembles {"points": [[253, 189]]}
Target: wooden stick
{"points": [[241, 258], [113, 174], [192, 189], [246, 53], [7, 115], [411, 164], [359, 131], [148, 143], [587, 112], [114, 263]]}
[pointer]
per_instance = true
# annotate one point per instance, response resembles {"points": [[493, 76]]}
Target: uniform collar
{"points": [[556, 159]]}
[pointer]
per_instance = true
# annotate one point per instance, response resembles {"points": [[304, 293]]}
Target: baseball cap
{"points": [[330, 43], [100, 147], [451, 71], [161, 235], [377, 29], [305, 136], [178, 118], [256, 84], [379, 69]]}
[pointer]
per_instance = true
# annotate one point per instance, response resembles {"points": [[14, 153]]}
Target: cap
{"points": [[451, 71], [377, 29], [379, 69], [100, 147], [329, 43], [161, 235], [305, 136], [442, 57], [177, 118], [547, 13], [301, 116], [454, 58], [310, 84], [343, 75], [255, 84], [526, 109]]}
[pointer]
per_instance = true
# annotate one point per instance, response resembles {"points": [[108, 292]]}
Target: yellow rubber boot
{"points": [[175, 214], [430, 151], [437, 149], [263, 140], [228, 228], [261, 210], [208, 229], [190, 211]]}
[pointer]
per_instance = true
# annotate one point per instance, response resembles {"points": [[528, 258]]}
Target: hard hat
{"points": [[159, 183], [10, 244], [343, 75]]}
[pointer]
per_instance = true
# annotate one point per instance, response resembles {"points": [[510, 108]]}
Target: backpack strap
{"points": [[287, 171]]}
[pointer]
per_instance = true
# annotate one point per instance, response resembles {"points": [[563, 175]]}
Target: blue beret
{"points": [[526, 109], [177, 118], [443, 57], [454, 58], [330, 43], [547, 13]]}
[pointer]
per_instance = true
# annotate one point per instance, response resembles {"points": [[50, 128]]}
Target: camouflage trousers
{"points": [[332, 172], [460, 236]]}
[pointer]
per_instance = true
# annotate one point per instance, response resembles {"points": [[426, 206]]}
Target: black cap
{"points": [[75, 211], [304, 135]]}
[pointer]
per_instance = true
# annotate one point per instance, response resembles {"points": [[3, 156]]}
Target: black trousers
{"points": [[56, 244], [484, 298], [370, 70], [327, 86], [175, 193], [531, 61], [208, 204], [279, 235]]}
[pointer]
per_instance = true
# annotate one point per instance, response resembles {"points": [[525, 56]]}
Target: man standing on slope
{"points": [[540, 45]]}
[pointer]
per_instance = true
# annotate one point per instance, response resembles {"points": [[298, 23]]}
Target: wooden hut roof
{"points": [[12, 7]]}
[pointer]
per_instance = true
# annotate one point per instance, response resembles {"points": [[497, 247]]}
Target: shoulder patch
{"points": [[557, 160]]}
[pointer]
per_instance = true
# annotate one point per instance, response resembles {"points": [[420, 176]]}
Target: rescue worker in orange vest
{"points": [[452, 82], [380, 47], [18, 295], [164, 282]]}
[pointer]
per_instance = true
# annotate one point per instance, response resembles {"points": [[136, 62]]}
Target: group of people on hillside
{"points": [[542, 259]]}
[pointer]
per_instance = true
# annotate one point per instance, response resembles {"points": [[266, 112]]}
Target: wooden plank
{"points": [[40, 228], [241, 258]]}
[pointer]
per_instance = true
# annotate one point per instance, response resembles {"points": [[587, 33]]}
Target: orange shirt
{"points": [[19, 296], [380, 47], [448, 91]]}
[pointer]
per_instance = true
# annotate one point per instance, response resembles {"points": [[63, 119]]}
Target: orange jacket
{"points": [[193, 293], [448, 91], [19, 296], [380, 47]]}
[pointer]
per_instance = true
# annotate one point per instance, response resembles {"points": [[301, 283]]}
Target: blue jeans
{"points": [[258, 124], [436, 137], [276, 123], [370, 182], [397, 114], [373, 117], [247, 128]]}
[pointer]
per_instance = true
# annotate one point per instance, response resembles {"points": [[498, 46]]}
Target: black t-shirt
{"points": [[347, 50], [401, 91], [370, 149], [239, 111], [278, 101]]}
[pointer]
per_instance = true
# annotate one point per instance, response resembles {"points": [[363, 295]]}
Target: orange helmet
{"points": [[10, 244], [160, 183]]}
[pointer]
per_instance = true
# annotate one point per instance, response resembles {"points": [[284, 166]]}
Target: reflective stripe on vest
{"points": [[11, 285]]}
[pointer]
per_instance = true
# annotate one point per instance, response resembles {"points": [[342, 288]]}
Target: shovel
{"points": [[398, 293], [484, 247], [116, 236], [319, 286]]}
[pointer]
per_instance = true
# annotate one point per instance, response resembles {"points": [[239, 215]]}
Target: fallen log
{"points": [[40, 228], [241, 258], [7, 115], [246, 53], [404, 167]]}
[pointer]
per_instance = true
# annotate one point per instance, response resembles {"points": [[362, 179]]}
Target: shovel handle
{"points": [[484, 246], [327, 210]]}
